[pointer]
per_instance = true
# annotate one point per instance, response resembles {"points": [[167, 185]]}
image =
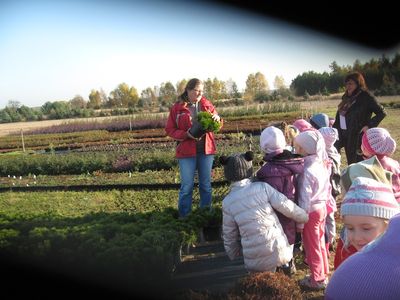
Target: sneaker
{"points": [[288, 269], [285, 269], [307, 282]]}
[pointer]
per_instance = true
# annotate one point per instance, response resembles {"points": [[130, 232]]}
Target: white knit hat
{"points": [[272, 140], [330, 135], [368, 197], [312, 142], [378, 141]]}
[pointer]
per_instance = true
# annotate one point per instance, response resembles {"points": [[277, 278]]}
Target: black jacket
{"points": [[358, 116]]}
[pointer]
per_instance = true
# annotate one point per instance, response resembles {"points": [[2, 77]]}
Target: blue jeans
{"points": [[187, 166]]}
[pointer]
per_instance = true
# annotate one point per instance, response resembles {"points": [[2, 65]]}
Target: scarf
{"points": [[347, 102]]}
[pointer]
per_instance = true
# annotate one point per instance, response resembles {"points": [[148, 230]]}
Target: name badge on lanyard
{"points": [[342, 120]]}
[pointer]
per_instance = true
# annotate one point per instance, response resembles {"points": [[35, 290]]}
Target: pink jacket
{"points": [[178, 123], [314, 187]]}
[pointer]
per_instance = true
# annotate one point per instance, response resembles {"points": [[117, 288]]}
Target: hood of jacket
{"points": [[283, 165]]}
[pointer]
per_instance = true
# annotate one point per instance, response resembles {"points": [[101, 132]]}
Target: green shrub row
{"points": [[110, 161], [266, 109], [82, 163], [131, 236]]}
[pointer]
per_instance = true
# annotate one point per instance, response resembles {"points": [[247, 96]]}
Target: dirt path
{"points": [[207, 267]]}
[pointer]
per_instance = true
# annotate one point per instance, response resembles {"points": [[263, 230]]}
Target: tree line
{"points": [[382, 77]]}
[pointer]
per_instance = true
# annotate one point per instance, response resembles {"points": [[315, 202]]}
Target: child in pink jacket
{"points": [[314, 189], [330, 136]]}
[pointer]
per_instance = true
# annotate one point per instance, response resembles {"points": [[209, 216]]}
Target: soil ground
{"points": [[205, 271]]}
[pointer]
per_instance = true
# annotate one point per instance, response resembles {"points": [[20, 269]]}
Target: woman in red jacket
{"points": [[192, 153]]}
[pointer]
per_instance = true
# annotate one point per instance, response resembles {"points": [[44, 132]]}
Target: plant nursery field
{"points": [[123, 239]]}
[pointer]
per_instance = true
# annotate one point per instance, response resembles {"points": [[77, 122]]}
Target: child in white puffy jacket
{"points": [[250, 225]]}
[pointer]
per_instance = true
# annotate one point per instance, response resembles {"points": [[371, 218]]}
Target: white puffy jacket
{"points": [[250, 224]]}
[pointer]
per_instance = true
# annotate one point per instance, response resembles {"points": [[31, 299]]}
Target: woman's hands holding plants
{"points": [[206, 122], [192, 137], [216, 118]]}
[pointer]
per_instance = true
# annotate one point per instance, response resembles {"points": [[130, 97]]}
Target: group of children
{"points": [[293, 195]]}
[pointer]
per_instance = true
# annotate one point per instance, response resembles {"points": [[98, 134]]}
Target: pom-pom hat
{"points": [[237, 166]]}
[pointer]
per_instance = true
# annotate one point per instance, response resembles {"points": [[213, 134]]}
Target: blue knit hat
{"points": [[319, 120]]}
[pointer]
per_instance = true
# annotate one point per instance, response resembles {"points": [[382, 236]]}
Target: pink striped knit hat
{"points": [[368, 197], [378, 141]]}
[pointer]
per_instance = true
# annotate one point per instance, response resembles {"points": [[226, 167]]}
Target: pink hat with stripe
{"points": [[378, 141], [368, 197]]}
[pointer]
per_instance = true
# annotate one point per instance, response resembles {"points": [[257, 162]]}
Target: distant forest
{"points": [[382, 77]]}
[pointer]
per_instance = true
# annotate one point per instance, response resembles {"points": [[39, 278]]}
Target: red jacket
{"points": [[342, 253], [178, 123]]}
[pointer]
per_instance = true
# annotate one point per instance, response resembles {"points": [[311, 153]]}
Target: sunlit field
{"points": [[120, 230]]}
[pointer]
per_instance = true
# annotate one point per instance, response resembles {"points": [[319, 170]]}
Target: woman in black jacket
{"points": [[355, 115]]}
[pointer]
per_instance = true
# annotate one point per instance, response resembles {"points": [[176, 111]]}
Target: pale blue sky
{"points": [[53, 50]]}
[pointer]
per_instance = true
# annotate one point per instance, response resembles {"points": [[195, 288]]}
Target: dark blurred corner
{"points": [[374, 24], [22, 278]]}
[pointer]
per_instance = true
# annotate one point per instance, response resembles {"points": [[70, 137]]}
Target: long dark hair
{"points": [[358, 78], [192, 83], [348, 100]]}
